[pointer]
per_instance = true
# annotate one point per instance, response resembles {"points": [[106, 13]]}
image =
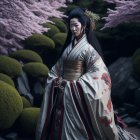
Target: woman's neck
{"points": [[79, 37]]}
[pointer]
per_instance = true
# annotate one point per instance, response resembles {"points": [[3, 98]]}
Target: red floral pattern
{"points": [[105, 121], [109, 105], [107, 79]]}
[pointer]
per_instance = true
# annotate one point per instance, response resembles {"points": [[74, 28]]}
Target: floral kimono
{"points": [[78, 105]]}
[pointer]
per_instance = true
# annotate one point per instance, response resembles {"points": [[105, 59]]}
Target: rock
{"points": [[2, 138], [124, 116], [121, 111], [133, 84], [137, 98], [130, 121], [130, 109], [11, 136], [138, 116], [138, 126], [120, 72]]}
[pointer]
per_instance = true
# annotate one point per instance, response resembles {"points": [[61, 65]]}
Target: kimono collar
{"points": [[83, 38]]}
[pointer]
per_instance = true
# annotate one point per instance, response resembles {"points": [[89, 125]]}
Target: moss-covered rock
{"points": [[7, 79], [26, 56], [52, 29], [36, 69], [59, 39], [28, 120], [10, 66], [11, 105], [60, 24], [39, 42], [26, 103]]}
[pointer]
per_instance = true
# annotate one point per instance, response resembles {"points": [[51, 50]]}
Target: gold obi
{"points": [[72, 69]]}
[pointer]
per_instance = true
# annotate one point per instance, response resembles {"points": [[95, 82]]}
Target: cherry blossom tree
{"points": [[125, 11], [20, 18]]}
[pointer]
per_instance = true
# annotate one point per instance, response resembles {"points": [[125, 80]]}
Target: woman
{"points": [[77, 103]]}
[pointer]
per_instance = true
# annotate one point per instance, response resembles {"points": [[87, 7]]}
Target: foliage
{"points": [[125, 11], [28, 120], [26, 56], [26, 103], [60, 24], [39, 42], [52, 29], [59, 39], [5, 78], [19, 19], [36, 69], [10, 105], [124, 35], [70, 8], [84, 3], [10, 66], [120, 41]]}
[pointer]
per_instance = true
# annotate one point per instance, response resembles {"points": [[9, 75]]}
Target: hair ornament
{"points": [[93, 17]]}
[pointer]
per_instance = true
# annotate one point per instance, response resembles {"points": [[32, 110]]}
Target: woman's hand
{"points": [[60, 83]]}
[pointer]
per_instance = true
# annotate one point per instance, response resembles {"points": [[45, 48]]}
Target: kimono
{"points": [[78, 106]]}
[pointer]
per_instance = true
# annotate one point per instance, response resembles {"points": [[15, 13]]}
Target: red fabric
{"points": [[109, 105], [105, 121], [107, 79]]}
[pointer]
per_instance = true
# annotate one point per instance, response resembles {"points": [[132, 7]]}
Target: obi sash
{"points": [[72, 69]]}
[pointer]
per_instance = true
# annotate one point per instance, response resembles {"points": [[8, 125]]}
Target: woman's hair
{"points": [[85, 21]]}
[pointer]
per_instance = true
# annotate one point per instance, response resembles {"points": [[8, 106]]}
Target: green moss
{"points": [[10, 66], [27, 56], [39, 42], [52, 29], [60, 24], [28, 120], [7, 79], [59, 39], [26, 103], [36, 69], [11, 105]]}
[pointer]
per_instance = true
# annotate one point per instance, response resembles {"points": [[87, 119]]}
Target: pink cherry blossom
{"points": [[124, 12], [20, 18]]}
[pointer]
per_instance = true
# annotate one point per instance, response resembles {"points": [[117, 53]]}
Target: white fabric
{"points": [[96, 94]]}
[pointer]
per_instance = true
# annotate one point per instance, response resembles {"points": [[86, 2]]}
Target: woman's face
{"points": [[76, 27]]}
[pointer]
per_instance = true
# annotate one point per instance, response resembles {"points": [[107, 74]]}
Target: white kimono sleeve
{"points": [[96, 86]]}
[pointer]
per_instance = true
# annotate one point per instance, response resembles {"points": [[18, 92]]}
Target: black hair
{"points": [[79, 13]]}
